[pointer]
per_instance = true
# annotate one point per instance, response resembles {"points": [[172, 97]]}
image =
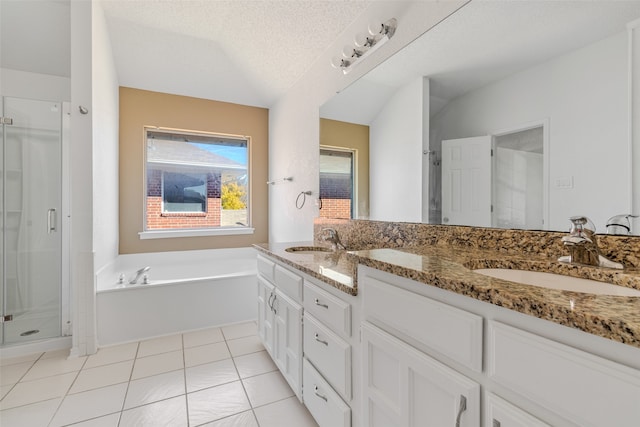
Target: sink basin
{"points": [[307, 249], [558, 281]]}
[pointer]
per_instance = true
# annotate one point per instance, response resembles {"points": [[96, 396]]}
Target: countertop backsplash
{"points": [[365, 234]]}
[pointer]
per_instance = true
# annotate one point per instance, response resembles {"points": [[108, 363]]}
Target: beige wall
{"points": [[334, 133], [139, 108]]}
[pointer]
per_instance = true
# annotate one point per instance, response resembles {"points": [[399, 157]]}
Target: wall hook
{"points": [[83, 110]]}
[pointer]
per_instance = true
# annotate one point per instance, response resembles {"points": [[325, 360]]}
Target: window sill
{"points": [[201, 232]]}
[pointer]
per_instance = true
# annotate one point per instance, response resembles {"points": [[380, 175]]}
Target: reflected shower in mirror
{"points": [[490, 72]]}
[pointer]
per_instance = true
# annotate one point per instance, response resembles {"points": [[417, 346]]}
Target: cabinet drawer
{"points": [[266, 268], [452, 332], [289, 283], [327, 308], [329, 353], [583, 388], [323, 402]]}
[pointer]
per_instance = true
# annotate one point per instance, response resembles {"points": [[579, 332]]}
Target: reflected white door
{"points": [[466, 181], [31, 214]]}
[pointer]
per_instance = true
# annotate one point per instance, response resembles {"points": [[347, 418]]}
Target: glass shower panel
{"points": [[32, 159]]}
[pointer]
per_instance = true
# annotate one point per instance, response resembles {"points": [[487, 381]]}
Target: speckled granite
{"points": [[443, 256], [334, 268]]}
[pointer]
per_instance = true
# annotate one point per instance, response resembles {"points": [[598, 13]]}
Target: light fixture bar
{"points": [[379, 33]]}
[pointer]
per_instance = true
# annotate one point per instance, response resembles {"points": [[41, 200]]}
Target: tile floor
{"points": [[219, 377]]}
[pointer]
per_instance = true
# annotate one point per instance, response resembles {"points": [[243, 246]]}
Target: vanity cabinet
{"points": [[280, 319], [427, 354], [328, 356], [404, 386], [500, 413]]}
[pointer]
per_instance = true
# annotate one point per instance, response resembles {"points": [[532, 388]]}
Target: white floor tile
{"points": [[152, 389], [4, 389], [36, 414], [244, 419], [11, 374], [246, 345], [289, 409], [217, 402], [267, 388], [205, 336], [206, 354], [165, 413], [90, 404], [158, 364], [4, 361], [39, 390], [114, 354], [102, 376], [63, 353], [254, 364], [110, 420], [160, 345], [240, 330], [57, 365], [210, 375]]}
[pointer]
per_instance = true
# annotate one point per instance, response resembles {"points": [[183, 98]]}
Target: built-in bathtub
{"points": [[186, 290]]}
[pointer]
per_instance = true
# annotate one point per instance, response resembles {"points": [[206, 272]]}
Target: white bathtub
{"points": [[187, 290]]}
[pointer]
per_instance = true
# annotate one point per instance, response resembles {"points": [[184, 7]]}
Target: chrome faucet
{"points": [[333, 238], [583, 245], [139, 273]]}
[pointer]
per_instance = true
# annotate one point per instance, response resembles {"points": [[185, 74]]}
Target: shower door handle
{"points": [[51, 221]]}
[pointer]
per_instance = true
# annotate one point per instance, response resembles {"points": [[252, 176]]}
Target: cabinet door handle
{"points": [[321, 341], [461, 408], [269, 303], [321, 305], [315, 390], [495, 423], [273, 304], [51, 221]]}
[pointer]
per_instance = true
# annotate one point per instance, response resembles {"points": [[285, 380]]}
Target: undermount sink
{"points": [[307, 249], [558, 281]]}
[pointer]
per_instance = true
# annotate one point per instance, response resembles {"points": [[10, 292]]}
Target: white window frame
{"points": [[194, 232]]}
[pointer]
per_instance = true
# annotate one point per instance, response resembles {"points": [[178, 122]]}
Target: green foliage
{"points": [[234, 196]]}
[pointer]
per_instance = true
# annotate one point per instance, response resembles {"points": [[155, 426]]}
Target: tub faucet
{"points": [[333, 238], [583, 245], [139, 273]]}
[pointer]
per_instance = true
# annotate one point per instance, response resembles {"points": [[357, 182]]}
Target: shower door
{"points": [[31, 219]]}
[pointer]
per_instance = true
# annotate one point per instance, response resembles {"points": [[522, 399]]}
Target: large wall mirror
{"points": [[511, 114]]}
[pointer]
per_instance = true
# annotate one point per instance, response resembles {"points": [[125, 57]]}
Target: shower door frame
{"points": [[65, 225]]}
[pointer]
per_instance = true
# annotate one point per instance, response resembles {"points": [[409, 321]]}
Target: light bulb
{"points": [[364, 41], [340, 62], [376, 27]]}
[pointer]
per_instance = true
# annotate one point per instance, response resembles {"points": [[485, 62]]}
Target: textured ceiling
{"points": [[248, 52]]}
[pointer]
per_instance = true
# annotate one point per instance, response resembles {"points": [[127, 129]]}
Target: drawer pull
{"points": [[461, 409], [321, 305], [315, 390], [321, 341]]}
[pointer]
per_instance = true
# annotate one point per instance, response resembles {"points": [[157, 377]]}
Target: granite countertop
{"points": [[450, 268]]}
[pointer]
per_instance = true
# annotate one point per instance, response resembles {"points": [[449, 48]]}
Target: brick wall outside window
{"points": [[336, 193]]}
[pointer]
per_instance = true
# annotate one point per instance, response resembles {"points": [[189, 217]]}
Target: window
{"points": [[196, 181], [337, 182]]}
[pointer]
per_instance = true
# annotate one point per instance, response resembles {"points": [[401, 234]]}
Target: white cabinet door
{"points": [[466, 181], [500, 413], [404, 387], [288, 340], [266, 294]]}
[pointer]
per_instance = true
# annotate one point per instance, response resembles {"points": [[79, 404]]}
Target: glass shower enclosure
{"points": [[33, 296]]}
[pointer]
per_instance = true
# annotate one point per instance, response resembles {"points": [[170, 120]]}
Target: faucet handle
{"points": [[580, 224]]}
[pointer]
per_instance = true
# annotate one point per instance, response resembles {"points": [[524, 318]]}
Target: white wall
{"points": [[23, 84], [82, 259], [634, 70], [294, 120], [584, 96], [105, 143], [395, 153]]}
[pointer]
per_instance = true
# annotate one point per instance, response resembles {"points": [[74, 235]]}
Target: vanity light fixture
{"points": [[365, 44]]}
